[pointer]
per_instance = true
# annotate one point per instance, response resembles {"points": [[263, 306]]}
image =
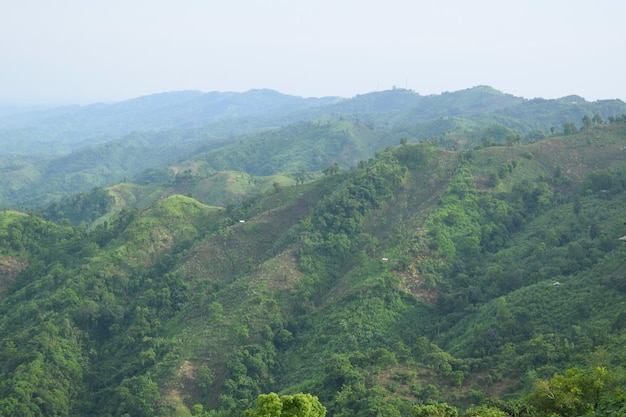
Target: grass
{"points": [[7, 217]]}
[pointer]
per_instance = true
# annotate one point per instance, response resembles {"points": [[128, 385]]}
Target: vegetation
{"points": [[425, 280], [50, 153]]}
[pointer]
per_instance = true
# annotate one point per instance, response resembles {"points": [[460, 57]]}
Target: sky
{"points": [[81, 52]]}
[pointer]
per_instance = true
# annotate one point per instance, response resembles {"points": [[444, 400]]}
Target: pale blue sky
{"points": [[77, 51]]}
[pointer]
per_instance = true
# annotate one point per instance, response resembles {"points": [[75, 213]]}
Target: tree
{"points": [[513, 139], [331, 170], [137, 396], [434, 410], [203, 377], [573, 394], [569, 128], [577, 205], [301, 176], [484, 411], [614, 406], [597, 119], [298, 405], [487, 142]]}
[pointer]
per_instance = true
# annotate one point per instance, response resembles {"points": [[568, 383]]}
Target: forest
{"points": [[390, 255]]}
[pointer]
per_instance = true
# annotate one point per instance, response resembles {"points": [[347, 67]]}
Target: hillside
{"points": [[57, 130], [47, 154], [417, 277]]}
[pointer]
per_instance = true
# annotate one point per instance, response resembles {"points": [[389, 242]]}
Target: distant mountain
{"points": [[472, 101], [68, 128], [162, 110], [63, 129], [543, 114], [46, 153]]}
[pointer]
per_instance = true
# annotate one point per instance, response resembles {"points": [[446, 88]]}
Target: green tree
{"points": [[513, 139], [137, 396], [331, 170], [203, 377], [298, 405], [613, 406], [484, 411], [574, 394], [487, 142], [434, 410], [569, 128]]}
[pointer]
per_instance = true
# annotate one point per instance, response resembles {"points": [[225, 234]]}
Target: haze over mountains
{"points": [[80, 147], [188, 109]]}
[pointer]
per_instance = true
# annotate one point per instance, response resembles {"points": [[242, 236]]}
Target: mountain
{"points": [[419, 277], [48, 153], [59, 130], [64, 129]]}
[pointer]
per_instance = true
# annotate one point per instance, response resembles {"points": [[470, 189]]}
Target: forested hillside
{"points": [[49, 153], [351, 269]]}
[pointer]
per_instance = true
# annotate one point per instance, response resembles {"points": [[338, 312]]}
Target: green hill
{"points": [[47, 154], [418, 277]]}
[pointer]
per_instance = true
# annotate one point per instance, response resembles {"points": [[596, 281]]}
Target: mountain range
{"points": [[391, 254], [49, 153]]}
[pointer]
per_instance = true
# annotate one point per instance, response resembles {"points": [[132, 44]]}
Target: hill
{"points": [[419, 276], [49, 153], [58, 130]]}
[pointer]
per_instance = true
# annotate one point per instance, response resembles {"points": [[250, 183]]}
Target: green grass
{"points": [[7, 217]]}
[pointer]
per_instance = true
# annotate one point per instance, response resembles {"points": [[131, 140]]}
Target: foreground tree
{"points": [[434, 410], [576, 393], [298, 405]]}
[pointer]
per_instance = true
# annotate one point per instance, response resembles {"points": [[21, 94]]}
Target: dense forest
{"points": [[388, 255]]}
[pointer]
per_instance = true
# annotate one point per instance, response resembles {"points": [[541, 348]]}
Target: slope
{"points": [[419, 276], [364, 324], [49, 153]]}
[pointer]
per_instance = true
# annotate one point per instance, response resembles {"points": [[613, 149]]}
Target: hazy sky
{"points": [[78, 51]]}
